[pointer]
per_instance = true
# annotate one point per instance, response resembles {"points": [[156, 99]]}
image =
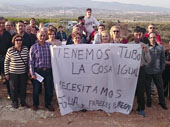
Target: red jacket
{"points": [[158, 38]]}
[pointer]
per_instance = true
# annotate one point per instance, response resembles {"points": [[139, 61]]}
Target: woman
{"points": [[15, 67], [76, 28], [115, 35], [105, 38], [77, 36], [51, 38]]}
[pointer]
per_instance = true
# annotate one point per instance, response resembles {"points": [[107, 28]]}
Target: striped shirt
{"points": [[14, 63], [40, 57]]}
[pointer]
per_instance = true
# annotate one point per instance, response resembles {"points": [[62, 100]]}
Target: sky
{"points": [[158, 3]]}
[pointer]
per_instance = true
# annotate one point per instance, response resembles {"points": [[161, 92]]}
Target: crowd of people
{"points": [[25, 49]]}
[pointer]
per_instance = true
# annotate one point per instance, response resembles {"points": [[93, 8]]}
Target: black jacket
{"points": [[5, 42]]}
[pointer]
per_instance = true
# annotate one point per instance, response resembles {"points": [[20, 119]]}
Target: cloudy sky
{"points": [[159, 3]]}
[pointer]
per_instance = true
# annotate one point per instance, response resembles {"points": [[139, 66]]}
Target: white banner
{"points": [[92, 77]]}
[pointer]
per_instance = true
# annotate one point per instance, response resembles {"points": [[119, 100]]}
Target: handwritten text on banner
{"points": [[93, 77]]}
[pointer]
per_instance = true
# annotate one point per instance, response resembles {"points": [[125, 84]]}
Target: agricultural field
{"points": [[163, 27]]}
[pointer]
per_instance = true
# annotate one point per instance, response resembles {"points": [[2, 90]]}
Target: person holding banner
{"points": [[40, 63], [145, 59], [154, 70]]}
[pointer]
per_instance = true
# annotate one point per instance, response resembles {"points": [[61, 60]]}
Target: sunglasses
{"points": [[116, 31], [152, 28]]}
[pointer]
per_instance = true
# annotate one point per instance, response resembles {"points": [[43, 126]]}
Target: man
{"points": [[5, 43], [61, 35], [32, 22], [89, 22], [21, 31], [154, 71], [26, 23], [97, 38], [81, 23], [33, 37], [152, 29], [145, 59], [8, 27], [28, 29], [40, 62], [143, 38]]}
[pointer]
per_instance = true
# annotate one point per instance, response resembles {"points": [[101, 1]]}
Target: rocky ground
{"points": [[26, 117]]}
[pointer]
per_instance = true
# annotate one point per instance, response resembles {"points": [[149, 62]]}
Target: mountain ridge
{"points": [[85, 4]]}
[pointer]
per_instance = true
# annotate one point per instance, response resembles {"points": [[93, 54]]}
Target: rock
{"points": [[52, 115], [8, 106], [12, 109]]}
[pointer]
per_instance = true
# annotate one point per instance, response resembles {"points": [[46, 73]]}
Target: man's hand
{"points": [[144, 47], [33, 77]]}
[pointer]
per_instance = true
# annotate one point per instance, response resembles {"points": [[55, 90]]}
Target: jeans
{"points": [[157, 78], [48, 85]]}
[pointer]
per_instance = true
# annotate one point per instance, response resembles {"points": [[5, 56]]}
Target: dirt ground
{"points": [[26, 117]]}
